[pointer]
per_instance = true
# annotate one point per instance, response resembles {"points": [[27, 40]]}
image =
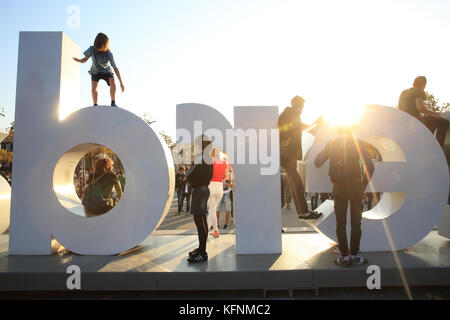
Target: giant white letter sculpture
{"points": [[51, 137], [257, 182], [48, 145], [413, 177]]}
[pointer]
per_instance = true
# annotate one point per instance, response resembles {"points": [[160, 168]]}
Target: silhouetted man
{"points": [[350, 172], [291, 128], [412, 101]]}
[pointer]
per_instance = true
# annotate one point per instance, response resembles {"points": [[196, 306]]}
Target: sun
{"points": [[346, 115]]}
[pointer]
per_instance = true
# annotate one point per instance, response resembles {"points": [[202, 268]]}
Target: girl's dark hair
{"points": [[101, 41]]}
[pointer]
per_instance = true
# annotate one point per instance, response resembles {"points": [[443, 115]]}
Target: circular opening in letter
{"points": [[89, 180]]}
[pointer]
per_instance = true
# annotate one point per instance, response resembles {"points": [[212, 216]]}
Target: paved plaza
{"points": [[158, 264]]}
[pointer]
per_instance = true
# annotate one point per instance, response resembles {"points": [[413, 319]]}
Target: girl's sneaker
{"points": [[343, 261], [216, 234], [198, 257], [358, 260]]}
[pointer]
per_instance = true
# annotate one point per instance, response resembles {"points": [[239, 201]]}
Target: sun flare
{"points": [[344, 116]]}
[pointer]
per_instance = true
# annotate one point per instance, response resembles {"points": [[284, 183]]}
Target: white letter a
{"points": [[74, 281], [374, 281]]}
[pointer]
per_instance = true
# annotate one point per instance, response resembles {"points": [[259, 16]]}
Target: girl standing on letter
{"points": [[102, 61]]}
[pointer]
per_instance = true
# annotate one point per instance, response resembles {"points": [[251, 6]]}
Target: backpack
{"points": [[345, 165], [93, 200]]}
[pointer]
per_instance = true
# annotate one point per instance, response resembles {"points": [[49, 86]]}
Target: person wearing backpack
{"points": [[351, 169], [97, 198]]}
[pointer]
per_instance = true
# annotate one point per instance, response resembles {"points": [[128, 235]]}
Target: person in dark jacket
{"points": [[291, 128], [351, 169], [199, 176], [412, 101]]}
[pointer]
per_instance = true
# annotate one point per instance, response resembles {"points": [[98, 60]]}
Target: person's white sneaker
{"points": [[358, 260], [343, 261]]}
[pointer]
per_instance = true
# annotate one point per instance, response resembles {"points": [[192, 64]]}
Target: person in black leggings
{"points": [[199, 177]]}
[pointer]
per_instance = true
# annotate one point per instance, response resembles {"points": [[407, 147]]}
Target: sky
{"points": [[226, 53]]}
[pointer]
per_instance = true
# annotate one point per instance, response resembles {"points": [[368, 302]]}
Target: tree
{"points": [[11, 129], [167, 139], [96, 152], [147, 117], [6, 156], [433, 104]]}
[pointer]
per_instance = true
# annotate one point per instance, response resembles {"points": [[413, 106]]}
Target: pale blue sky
{"points": [[226, 53]]}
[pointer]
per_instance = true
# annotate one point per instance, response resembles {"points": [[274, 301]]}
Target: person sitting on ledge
{"points": [[98, 198], [412, 101], [102, 61], [350, 181], [291, 128]]}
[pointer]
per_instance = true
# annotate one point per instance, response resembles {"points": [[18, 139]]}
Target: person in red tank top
{"points": [[216, 190], [219, 171]]}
